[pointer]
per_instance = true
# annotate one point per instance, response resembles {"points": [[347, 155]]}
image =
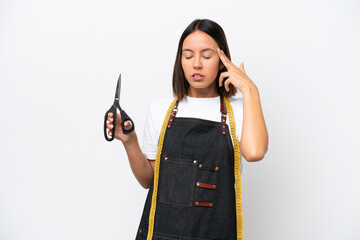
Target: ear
{"points": [[221, 66]]}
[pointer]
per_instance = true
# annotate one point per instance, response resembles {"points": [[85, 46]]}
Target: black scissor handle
{"points": [[124, 118], [113, 111]]}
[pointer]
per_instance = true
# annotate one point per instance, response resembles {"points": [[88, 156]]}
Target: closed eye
{"points": [[203, 57]]}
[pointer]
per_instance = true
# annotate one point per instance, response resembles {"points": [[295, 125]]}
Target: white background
{"points": [[59, 62]]}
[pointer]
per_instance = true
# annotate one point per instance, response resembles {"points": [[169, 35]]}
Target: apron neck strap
{"points": [[223, 111], [173, 113]]}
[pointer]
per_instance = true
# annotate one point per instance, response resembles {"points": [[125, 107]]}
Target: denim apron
{"points": [[196, 194]]}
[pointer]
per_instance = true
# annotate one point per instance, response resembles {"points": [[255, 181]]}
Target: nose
{"points": [[197, 63]]}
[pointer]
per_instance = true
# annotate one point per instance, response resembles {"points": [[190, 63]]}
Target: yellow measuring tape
{"points": [[156, 171], [239, 213], [239, 222]]}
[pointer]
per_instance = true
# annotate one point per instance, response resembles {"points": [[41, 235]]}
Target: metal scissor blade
{"points": [[118, 88]]}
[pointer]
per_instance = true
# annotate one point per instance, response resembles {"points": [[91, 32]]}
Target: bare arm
{"points": [[140, 165], [254, 136]]}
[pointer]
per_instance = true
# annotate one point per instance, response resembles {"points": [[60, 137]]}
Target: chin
{"points": [[200, 83]]}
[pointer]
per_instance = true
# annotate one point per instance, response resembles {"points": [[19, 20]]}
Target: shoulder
{"points": [[159, 106], [236, 101], [160, 102], [237, 106]]}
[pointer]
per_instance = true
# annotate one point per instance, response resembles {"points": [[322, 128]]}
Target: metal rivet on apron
{"points": [[196, 203], [214, 186], [195, 161], [210, 204], [166, 158], [139, 230], [197, 184], [217, 168], [200, 166]]}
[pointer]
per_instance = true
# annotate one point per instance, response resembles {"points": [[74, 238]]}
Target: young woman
{"points": [[190, 156]]}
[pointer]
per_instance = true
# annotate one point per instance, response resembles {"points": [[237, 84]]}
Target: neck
{"points": [[202, 93]]}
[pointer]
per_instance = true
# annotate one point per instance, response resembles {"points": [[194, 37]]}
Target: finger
{"points": [[109, 115], [109, 126], [110, 132], [222, 76], [242, 66], [224, 59], [226, 84], [127, 125]]}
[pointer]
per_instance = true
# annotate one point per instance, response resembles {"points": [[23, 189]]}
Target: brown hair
{"points": [[179, 83]]}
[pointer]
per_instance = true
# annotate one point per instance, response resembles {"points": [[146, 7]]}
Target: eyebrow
{"points": [[206, 49]]}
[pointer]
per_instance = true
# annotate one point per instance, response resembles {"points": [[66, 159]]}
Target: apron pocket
{"points": [[178, 181]]}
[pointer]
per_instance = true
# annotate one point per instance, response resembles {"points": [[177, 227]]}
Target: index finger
{"points": [[224, 59], [109, 115]]}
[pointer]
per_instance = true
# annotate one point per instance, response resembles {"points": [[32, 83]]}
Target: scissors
{"points": [[113, 110]]}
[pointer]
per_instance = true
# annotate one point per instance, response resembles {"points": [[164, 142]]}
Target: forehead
{"points": [[199, 40]]}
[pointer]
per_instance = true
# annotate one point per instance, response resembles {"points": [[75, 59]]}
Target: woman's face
{"points": [[200, 63]]}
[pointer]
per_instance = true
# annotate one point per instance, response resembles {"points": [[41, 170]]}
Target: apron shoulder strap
{"points": [[223, 111], [173, 113]]}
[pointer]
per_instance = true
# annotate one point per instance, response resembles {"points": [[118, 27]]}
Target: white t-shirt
{"points": [[202, 108]]}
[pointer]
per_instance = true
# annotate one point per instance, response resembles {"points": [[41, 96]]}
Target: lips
{"points": [[197, 76]]}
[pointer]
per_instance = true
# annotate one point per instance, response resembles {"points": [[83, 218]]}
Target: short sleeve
{"points": [[237, 105], [150, 136], [152, 127]]}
